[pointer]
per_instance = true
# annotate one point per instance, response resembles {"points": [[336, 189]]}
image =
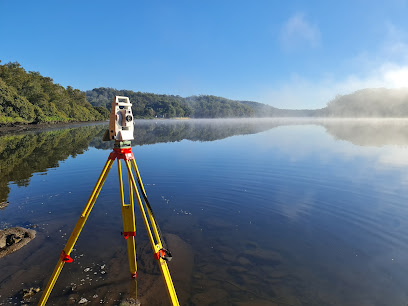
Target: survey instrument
{"points": [[121, 127]]}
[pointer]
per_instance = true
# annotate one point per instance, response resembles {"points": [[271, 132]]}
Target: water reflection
{"points": [[163, 131], [369, 132], [26, 153], [291, 212], [23, 154], [363, 132]]}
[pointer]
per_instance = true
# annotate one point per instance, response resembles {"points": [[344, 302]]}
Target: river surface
{"points": [[255, 212]]}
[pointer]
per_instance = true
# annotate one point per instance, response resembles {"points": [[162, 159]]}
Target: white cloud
{"points": [[385, 67], [396, 76], [298, 32], [299, 92]]}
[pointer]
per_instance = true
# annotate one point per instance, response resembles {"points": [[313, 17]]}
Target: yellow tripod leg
{"points": [[129, 226], [152, 220], [171, 291], [75, 233]]}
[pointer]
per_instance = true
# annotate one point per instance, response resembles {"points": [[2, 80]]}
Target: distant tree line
{"points": [[370, 102], [218, 107], [364, 103], [149, 105], [28, 97], [144, 105]]}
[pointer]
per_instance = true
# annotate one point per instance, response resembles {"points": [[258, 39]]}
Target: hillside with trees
{"points": [[264, 111], [364, 103], [29, 97], [217, 107], [149, 105], [144, 105], [370, 102]]}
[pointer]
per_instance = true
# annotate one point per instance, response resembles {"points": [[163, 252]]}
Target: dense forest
{"points": [[144, 105], [218, 107], [28, 97], [149, 105]]}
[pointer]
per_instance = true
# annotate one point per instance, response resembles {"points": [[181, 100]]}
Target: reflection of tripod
{"points": [[123, 151]]}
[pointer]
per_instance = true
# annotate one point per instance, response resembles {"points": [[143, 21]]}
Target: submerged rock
{"points": [[3, 205], [12, 239], [83, 301], [28, 293]]}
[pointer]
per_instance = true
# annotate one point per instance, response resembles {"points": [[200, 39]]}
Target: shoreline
{"points": [[18, 127], [4, 129]]}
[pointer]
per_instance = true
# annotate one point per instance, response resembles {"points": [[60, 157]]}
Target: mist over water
{"points": [[258, 212]]}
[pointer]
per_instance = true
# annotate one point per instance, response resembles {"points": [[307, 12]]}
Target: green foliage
{"points": [[148, 105], [28, 97], [103, 111], [144, 105], [218, 107], [14, 106], [263, 110], [371, 102]]}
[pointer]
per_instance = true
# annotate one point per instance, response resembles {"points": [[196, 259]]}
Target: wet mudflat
{"points": [[267, 212]]}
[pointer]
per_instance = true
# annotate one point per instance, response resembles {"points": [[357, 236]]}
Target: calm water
{"points": [[267, 212]]}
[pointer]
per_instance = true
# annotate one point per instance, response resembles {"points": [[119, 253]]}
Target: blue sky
{"points": [[289, 54]]}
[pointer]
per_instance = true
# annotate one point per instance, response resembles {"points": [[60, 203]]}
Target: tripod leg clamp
{"points": [[163, 254], [65, 257], [126, 235]]}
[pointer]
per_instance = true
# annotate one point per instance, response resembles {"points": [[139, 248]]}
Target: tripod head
{"points": [[120, 121]]}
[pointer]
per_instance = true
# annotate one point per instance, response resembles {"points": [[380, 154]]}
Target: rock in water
{"points": [[3, 205], [27, 293], [12, 239]]}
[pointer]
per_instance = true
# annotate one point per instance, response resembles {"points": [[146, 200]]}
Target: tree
{"points": [[29, 97]]}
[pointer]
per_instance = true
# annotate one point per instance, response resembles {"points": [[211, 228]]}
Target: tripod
{"points": [[122, 150]]}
